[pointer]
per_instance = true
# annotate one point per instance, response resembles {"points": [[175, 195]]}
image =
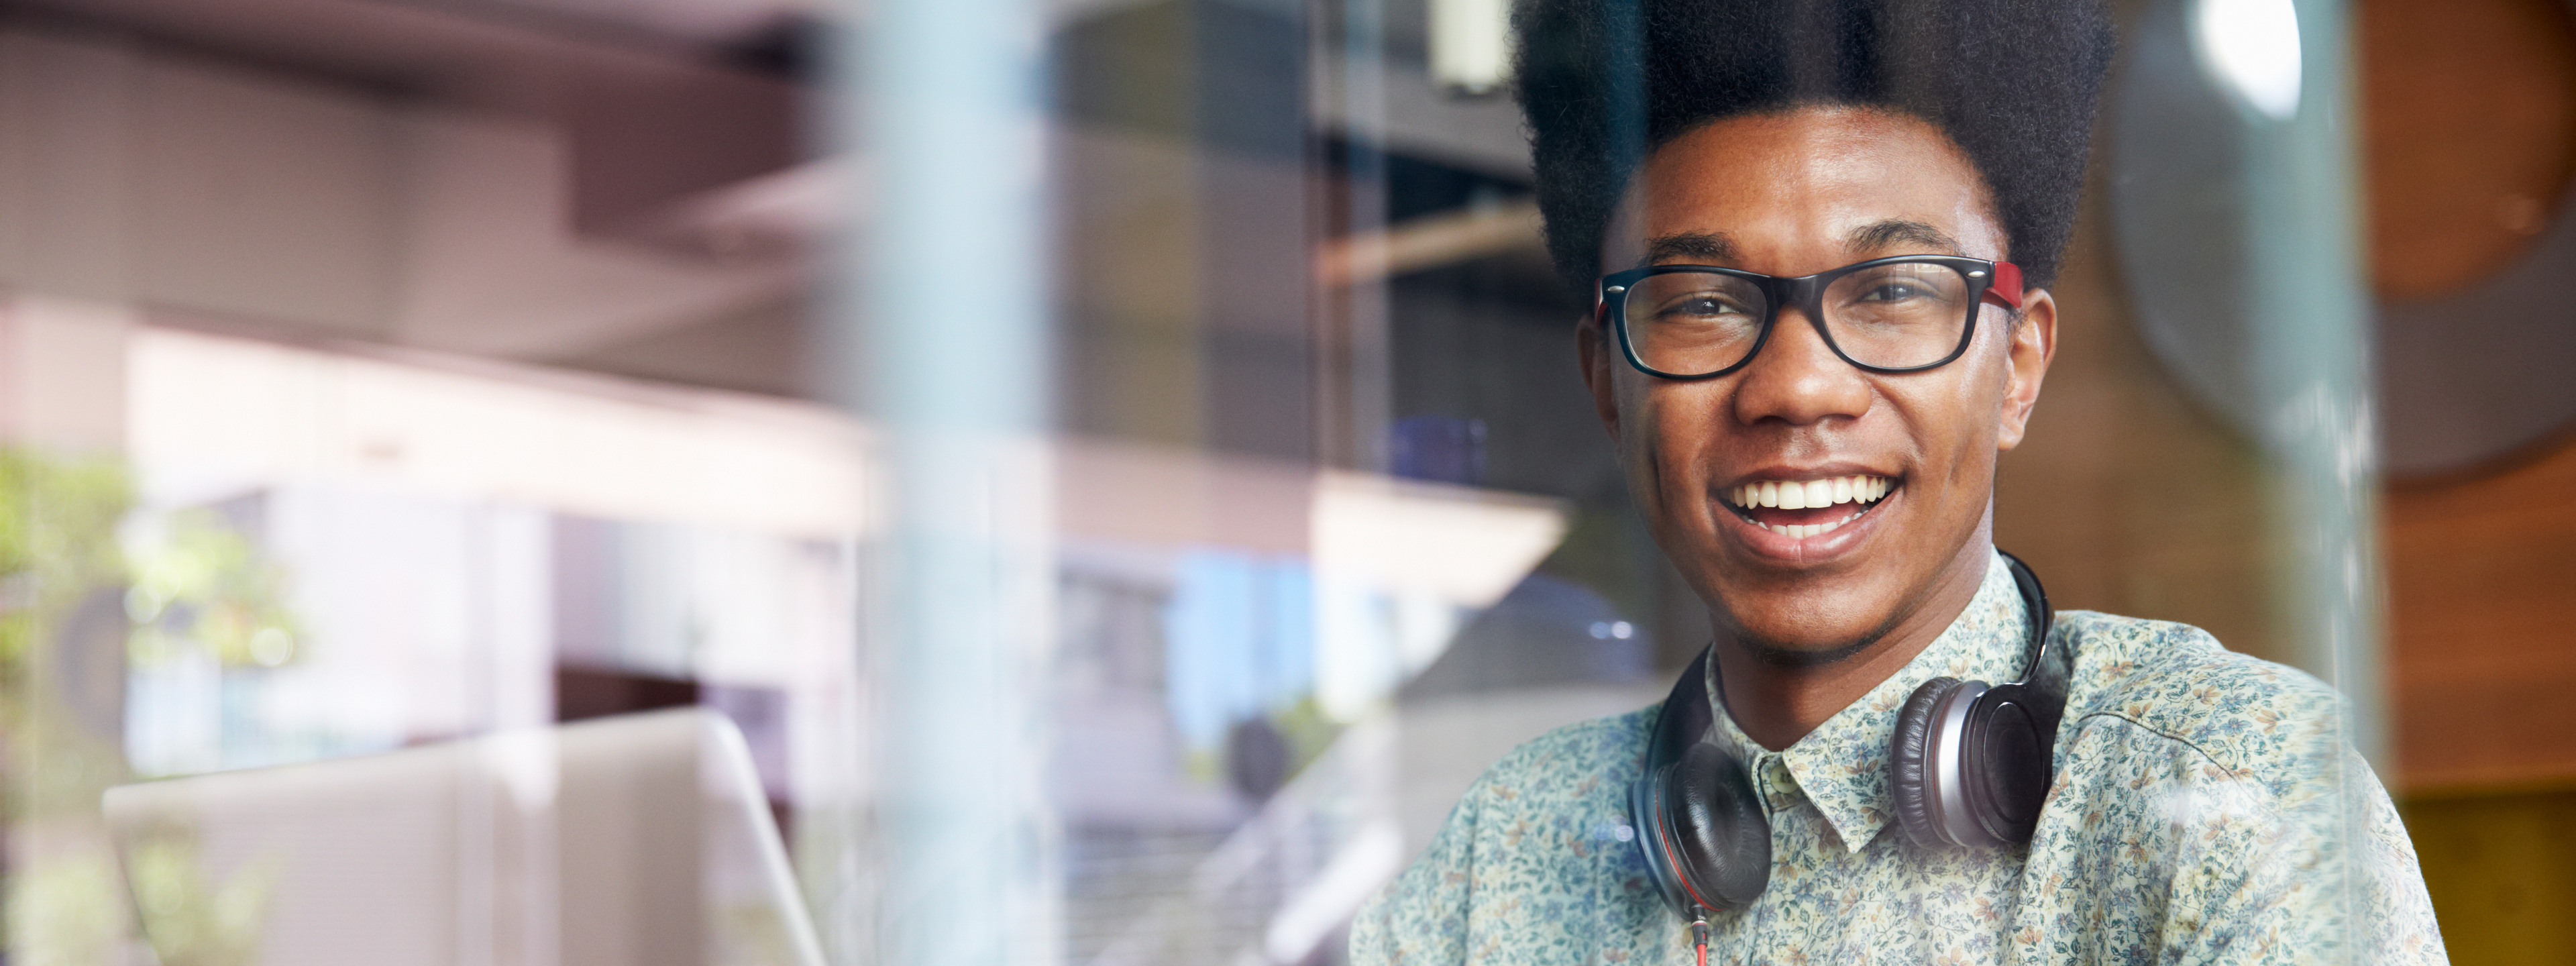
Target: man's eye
{"points": [[1895, 290], [1701, 307]]}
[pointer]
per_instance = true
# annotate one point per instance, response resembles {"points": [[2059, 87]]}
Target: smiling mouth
{"points": [[1806, 508]]}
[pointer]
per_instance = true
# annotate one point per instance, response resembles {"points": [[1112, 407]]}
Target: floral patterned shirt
{"points": [[2204, 810]]}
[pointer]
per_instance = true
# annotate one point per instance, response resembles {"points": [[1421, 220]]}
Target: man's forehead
{"points": [[1857, 180]]}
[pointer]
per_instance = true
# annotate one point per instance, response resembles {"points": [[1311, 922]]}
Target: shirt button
{"points": [[1780, 788]]}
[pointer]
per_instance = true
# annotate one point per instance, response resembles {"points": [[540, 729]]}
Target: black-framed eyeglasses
{"points": [[1907, 313]]}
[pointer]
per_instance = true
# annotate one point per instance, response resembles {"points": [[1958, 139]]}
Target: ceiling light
{"points": [[2252, 48], [1470, 45]]}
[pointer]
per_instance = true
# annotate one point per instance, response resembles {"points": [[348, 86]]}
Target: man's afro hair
{"points": [[2012, 82]]}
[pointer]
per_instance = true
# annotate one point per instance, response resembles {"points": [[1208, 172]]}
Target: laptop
{"points": [[635, 840]]}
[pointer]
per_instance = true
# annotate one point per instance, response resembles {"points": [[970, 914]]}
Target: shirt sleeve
{"points": [[1420, 918], [2178, 856], [2317, 871]]}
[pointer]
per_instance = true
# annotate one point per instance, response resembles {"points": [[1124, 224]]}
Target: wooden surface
{"points": [[2482, 627], [2127, 496], [2469, 112], [2469, 129], [2131, 498]]}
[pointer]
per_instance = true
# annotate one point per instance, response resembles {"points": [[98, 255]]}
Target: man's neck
{"points": [[1776, 704]]}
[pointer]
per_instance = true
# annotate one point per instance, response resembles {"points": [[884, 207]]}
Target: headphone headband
{"points": [[2045, 673]]}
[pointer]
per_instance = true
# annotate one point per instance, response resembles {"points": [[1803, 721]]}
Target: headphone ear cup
{"points": [[1909, 765], [1721, 842], [2007, 764]]}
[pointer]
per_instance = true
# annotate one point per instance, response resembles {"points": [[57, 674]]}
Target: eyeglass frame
{"points": [[2000, 279]]}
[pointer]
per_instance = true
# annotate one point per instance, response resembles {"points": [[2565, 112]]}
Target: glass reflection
{"points": [[394, 394]]}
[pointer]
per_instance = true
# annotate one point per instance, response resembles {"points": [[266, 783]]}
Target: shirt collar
{"points": [[1842, 765]]}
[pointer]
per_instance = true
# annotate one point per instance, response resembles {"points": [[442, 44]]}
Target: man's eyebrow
{"points": [[1696, 245], [1889, 233]]}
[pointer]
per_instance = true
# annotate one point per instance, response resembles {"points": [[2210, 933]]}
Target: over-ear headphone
{"points": [[1969, 767]]}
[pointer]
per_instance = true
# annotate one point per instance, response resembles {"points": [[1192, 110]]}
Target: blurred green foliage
{"points": [[65, 910], [58, 523], [58, 548], [193, 920], [204, 585], [194, 582]]}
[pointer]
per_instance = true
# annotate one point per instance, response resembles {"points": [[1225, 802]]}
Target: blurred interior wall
{"points": [[1184, 136], [2482, 552], [312, 207], [62, 372], [2482, 660], [2134, 498], [2470, 138]]}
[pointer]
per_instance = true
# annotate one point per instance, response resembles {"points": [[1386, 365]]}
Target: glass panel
{"points": [[558, 482]]}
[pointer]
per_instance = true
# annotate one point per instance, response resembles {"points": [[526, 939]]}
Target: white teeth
{"points": [[1807, 494], [1808, 530]]}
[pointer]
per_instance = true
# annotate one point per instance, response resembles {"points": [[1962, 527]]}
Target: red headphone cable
{"points": [[1699, 936]]}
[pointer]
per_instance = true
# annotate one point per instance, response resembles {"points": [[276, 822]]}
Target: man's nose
{"points": [[1798, 379]]}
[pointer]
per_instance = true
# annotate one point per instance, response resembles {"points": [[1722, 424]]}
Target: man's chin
{"points": [[1814, 630], [1805, 655]]}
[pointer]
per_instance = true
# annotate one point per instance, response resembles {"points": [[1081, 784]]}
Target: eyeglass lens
{"points": [[1893, 316]]}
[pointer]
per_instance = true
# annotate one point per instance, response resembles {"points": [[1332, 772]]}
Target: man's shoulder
{"points": [[2202, 787], [2163, 685]]}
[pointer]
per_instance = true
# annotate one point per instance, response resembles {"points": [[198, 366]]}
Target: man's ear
{"points": [[2034, 344], [1592, 352]]}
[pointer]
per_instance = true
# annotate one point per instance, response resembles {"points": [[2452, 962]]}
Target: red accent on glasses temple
{"points": [[2007, 284]]}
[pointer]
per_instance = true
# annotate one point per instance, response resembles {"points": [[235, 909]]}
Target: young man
{"points": [[1820, 237]]}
